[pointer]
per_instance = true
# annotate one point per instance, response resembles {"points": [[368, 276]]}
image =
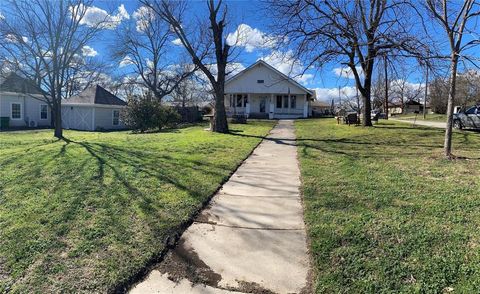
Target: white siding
{"points": [[247, 82], [104, 119], [30, 110]]}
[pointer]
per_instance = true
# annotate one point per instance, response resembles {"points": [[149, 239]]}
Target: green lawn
{"points": [[85, 214], [429, 117], [386, 213]]}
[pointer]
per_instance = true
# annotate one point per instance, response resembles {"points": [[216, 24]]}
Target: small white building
{"points": [[94, 109], [261, 91], [22, 103]]}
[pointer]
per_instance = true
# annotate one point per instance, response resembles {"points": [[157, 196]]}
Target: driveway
{"points": [[251, 238], [433, 124]]}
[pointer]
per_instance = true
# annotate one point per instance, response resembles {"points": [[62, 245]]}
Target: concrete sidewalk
{"points": [[252, 236], [432, 124]]}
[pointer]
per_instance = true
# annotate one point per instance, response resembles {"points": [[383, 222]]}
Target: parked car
{"points": [[467, 119], [378, 114]]}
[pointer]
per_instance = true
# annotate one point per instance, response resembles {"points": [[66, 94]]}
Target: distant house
{"points": [[262, 91], [411, 106], [93, 109], [22, 104], [320, 108]]}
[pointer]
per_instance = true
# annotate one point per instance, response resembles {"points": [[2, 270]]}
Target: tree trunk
{"points": [[447, 146], [425, 97], [367, 105], [220, 124], [57, 120], [386, 86]]}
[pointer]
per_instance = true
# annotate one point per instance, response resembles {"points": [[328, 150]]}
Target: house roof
{"points": [[95, 95], [413, 102], [273, 69], [17, 84], [317, 103]]}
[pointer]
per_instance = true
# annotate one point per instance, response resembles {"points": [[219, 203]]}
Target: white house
{"points": [[93, 109], [22, 104], [261, 91]]}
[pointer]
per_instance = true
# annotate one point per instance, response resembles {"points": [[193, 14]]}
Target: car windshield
{"points": [[472, 110]]}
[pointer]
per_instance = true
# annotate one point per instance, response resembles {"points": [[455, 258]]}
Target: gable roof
{"points": [[318, 103], [17, 84], [287, 78], [95, 95]]}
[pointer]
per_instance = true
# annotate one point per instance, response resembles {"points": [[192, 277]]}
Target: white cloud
{"points": [[346, 72], [177, 42], [1, 16], [327, 94], [144, 15], [15, 39], [95, 16], [89, 51], [250, 38], [126, 61], [234, 68], [286, 63]]}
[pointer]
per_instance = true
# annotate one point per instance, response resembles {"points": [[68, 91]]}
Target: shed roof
{"points": [[95, 95]]}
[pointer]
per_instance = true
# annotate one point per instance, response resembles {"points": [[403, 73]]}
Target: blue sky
{"points": [[255, 24], [248, 17]]}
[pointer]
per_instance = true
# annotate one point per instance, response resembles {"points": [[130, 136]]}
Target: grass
{"points": [[429, 117], [386, 213], [85, 214]]}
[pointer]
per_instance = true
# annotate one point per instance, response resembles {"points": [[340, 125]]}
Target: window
{"points": [[285, 101], [471, 110], [116, 117], [43, 111], [293, 101], [260, 81], [245, 99], [239, 101], [16, 111], [279, 101]]}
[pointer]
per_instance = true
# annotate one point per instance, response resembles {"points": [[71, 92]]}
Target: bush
{"points": [[146, 113], [166, 117]]}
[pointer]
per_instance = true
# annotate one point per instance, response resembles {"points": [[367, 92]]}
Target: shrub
{"points": [[166, 117], [146, 113]]}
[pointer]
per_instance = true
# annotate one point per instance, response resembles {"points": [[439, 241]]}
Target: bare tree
{"points": [[457, 19], [353, 33], [145, 45], [191, 92], [206, 45], [46, 39]]}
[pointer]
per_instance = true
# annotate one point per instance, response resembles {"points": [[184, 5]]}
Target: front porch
{"points": [[267, 106]]}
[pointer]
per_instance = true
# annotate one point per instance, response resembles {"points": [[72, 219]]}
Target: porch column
{"points": [[272, 107], [247, 106], [305, 107]]}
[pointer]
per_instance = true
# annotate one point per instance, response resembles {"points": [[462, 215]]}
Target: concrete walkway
{"points": [[251, 238], [426, 123]]}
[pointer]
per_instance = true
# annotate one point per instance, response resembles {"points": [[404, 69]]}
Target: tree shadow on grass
{"points": [[164, 168]]}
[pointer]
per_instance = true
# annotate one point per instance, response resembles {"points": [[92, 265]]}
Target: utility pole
{"points": [[339, 97], [386, 84], [425, 97]]}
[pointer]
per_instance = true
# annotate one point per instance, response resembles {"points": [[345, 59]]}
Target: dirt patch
{"points": [[184, 262], [251, 287], [207, 218]]}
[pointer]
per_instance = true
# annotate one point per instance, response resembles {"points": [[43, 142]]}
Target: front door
{"points": [[263, 103]]}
